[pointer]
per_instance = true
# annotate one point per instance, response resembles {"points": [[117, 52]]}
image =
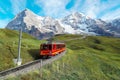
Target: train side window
{"points": [[45, 47], [50, 47]]}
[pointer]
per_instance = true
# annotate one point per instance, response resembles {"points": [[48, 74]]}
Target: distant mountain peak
{"points": [[26, 12], [45, 27], [40, 27], [26, 9], [77, 14]]}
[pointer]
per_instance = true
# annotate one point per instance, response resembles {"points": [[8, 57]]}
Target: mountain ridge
{"points": [[35, 25], [46, 27]]}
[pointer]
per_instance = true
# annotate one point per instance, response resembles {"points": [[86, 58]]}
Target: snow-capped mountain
{"points": [[114, 27], [40, 27], [82, 24], [45, 27]]}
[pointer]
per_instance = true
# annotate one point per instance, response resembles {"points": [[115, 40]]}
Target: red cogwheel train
{"points": [[51, 49]]}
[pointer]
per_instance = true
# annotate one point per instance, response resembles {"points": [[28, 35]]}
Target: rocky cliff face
{"points": [[114, 27], [83, 24], [40, 27], [75, 23]]}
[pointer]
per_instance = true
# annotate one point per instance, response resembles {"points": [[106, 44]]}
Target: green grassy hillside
{"points": [[9, 48], [91, 58]]}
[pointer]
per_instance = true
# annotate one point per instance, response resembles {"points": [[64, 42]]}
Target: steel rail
{"points": [[26, 68]]}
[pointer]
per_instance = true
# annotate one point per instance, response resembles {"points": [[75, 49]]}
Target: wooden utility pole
{"points": [[41, 68]]}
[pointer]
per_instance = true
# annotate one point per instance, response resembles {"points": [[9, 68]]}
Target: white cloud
{"points": [[4, 22], [90, 8], [18, 5], [111, 15], [93, 8], [54, 8]]}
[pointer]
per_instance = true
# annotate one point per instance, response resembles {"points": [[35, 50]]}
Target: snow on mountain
{"points": [[114, 27], [45, 27], [40, 27], [82, 24]]}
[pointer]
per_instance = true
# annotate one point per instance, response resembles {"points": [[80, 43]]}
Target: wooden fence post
{"points": [[41, 68]]}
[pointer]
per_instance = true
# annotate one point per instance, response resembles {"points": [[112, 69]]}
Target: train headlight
{"points": [[50, 52]]}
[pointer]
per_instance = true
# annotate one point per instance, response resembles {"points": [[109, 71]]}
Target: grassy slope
{"points": [[92, 58], [9, 48]]}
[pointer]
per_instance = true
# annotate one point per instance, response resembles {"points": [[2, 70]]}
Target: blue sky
{"points": [[104, 9]]}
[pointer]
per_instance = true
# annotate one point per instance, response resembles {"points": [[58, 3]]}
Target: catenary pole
{"points": [[19, 45]]}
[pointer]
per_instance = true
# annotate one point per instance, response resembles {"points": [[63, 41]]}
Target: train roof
{"points": [[54, 43]]}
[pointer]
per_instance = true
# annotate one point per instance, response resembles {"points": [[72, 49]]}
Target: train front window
{"points": [[46, 47]]}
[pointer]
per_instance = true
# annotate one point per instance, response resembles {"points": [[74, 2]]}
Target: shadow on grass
{"points": [[34, 53]]}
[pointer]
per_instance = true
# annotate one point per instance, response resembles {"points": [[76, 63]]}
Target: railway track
{"points": [[23, 69], [83, 37]]}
